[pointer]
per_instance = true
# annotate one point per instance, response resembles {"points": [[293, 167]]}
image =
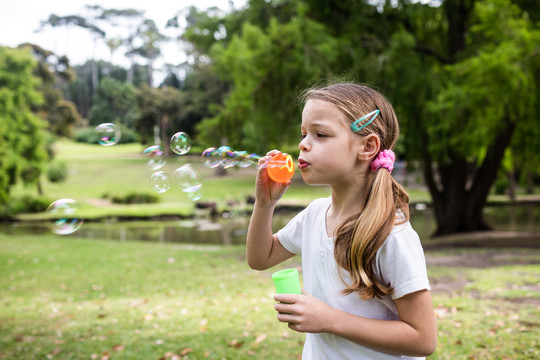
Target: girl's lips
{"points": [[302, 164]]}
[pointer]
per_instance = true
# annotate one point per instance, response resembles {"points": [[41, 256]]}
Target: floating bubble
{"points": [[245, 159], [189, 181], [180, 143], [155, 157], [211, 158], [64, 214], [228, 159], [107, 134], [160, 181]]}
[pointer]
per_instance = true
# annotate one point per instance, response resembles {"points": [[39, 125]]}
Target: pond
{"points": [[232, 229]]}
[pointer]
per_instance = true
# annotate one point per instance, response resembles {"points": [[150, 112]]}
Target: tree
{"points": [[22, 137], [150, 47], [76, 20], [462, 123], [265, 67], [114, 102], [55, 73], [157, 109]]}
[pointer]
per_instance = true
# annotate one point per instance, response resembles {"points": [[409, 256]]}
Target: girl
{"points": [[366, 291]]}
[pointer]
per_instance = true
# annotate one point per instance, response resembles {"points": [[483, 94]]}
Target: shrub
{"points": [[89, 136], [57, 172], [135, 198], [27, 204]]}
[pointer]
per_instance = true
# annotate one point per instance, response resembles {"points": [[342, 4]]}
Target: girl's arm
{"points": [[414, 334], [263, 249]]}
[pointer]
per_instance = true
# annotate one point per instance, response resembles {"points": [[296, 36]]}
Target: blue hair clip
{"points": [[356, 128]]}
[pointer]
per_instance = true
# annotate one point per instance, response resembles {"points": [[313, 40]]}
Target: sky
{"points": [[20, 19]]}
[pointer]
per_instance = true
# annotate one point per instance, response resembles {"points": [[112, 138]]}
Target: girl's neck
{"points": [[346, 201]]}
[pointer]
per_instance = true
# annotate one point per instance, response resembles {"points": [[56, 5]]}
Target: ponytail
{"points": [[360, 236]]}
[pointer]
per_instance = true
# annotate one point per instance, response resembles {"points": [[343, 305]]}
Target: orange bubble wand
{"points": [[280, 168]]}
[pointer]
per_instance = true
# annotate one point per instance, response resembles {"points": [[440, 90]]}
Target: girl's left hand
{"points": [[304, 313]]}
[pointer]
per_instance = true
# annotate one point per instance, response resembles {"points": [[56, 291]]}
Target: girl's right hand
{"points": [[267, 191]]}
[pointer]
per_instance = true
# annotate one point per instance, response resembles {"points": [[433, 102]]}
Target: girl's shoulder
{"points": [[319, 204]]}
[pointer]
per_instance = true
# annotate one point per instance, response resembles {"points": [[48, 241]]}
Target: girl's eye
{"points": [[302, 136], [321, 135]]}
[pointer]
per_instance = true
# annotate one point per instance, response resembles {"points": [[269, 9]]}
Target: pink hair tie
{"points": [[385, 159]]}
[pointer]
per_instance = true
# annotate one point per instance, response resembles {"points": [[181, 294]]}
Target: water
{"points": [[232, 230]]}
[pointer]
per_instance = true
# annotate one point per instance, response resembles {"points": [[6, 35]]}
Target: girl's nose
{"points": [[304, 145]]}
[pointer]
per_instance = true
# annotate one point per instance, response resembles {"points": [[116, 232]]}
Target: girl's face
{"points": [[328, 150]]}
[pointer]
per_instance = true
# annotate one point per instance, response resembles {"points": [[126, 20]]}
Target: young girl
{"points": [[366, 291]]}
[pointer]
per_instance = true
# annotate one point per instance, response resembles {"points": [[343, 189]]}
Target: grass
{"points": [[71, 298], [67, 298]]}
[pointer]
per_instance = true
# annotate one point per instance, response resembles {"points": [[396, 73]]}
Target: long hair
{"points": [[358, 238]]}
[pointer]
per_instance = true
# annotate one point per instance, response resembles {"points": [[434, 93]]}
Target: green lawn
{"points": [[71, 298]]}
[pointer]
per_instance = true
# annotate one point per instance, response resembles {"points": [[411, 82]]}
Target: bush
{"points": [[27, 204], [135, 198], [57, 172], [89, 136]]}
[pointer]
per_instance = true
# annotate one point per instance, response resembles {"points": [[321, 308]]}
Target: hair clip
{"points": [[356, 128]]}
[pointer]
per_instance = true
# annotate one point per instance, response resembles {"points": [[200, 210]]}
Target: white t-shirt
{"points": [[400, 261]]}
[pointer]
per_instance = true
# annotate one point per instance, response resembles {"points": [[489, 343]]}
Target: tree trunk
{"points": [[457, 207], [530, 183]]}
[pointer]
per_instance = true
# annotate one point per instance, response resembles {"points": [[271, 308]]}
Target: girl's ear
{"points": [[371, 145]]}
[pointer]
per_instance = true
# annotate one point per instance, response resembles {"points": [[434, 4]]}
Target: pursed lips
{"points": [[302, 164]]}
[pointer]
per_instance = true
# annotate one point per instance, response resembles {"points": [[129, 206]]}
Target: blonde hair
{"points": [[358, 238]]}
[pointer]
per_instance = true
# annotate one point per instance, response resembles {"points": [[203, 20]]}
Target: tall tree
{"points": [[87, 24], [55, 73], [114, 102], [455, 101], [150, 49], [22, 137], [265, 67], [157, 109]]}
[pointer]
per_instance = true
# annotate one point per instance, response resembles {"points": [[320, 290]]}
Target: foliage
{"points": [[57, 172], [89, 135], [25, 204], [135, 198], [495, 84], [158, 110], [22, 136], [114, 102], [266, 67], [55, 73]]}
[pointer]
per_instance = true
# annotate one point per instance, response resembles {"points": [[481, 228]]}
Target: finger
{"points": [[283, 308], [286, 318], [263, 162], [286, 298], [273, 152]]}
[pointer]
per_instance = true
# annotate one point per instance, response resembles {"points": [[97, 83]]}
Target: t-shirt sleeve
{"points": [[290, 236], [401, 262]]}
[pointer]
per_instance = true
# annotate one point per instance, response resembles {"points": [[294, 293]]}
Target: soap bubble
{"points": [[107, 134], [64, 214], [180, 143], [155, 157], [160, 181], [245, 159], [189, 181], [228, 159], [211, 158]]}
